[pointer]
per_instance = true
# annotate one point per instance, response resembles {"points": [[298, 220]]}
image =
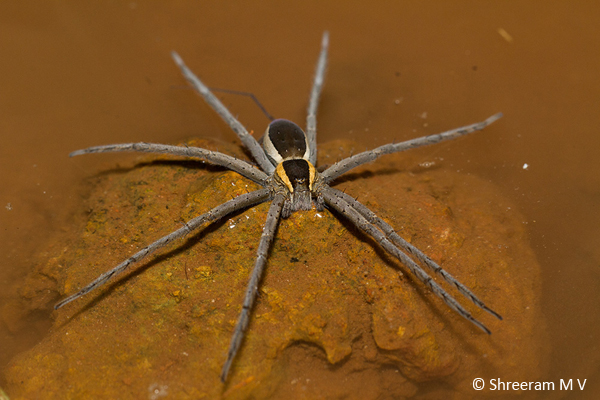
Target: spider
{"points": [[286, 171]]}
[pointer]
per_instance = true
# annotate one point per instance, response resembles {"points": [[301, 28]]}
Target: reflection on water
{"points": [[75, 75]]}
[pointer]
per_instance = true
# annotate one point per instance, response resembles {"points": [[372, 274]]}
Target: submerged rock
{"points": [[335, 318]]}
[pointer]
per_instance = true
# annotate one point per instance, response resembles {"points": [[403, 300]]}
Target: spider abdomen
{"points": [[284, 140]]}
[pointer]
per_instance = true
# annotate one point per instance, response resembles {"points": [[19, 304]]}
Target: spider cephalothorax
{"points": [[286, 171]]}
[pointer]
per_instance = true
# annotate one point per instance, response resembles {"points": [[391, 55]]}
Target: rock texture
{"points": [[336, 317]]}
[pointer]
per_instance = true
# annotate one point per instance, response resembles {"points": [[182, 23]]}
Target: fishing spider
{"points": [[291, 182]]}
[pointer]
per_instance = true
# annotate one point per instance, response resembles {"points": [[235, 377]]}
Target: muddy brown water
{"points": [[75, 75]]}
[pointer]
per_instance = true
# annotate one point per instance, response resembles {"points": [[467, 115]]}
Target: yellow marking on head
{"points": [[311, 173], [280, 171]]}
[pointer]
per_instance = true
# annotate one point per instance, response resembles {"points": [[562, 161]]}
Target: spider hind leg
{"points": [[337, 202]]}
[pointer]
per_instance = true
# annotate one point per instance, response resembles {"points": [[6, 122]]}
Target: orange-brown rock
{"points": [[335, 316]]}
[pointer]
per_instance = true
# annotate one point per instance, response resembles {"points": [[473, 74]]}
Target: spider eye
{"points": [[284, 140]]}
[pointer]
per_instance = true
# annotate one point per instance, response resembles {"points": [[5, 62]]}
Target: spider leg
{"points": [[240, 166], [351, 162], [244, 200], [412, 250], [361, 222], [247, 139], [261, 259], [311, 118]]}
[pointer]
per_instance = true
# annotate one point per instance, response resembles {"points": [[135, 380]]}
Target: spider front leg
{"points": [[261, 259], [345, 165], [342, 206], [315, 94], [251, 144]]}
